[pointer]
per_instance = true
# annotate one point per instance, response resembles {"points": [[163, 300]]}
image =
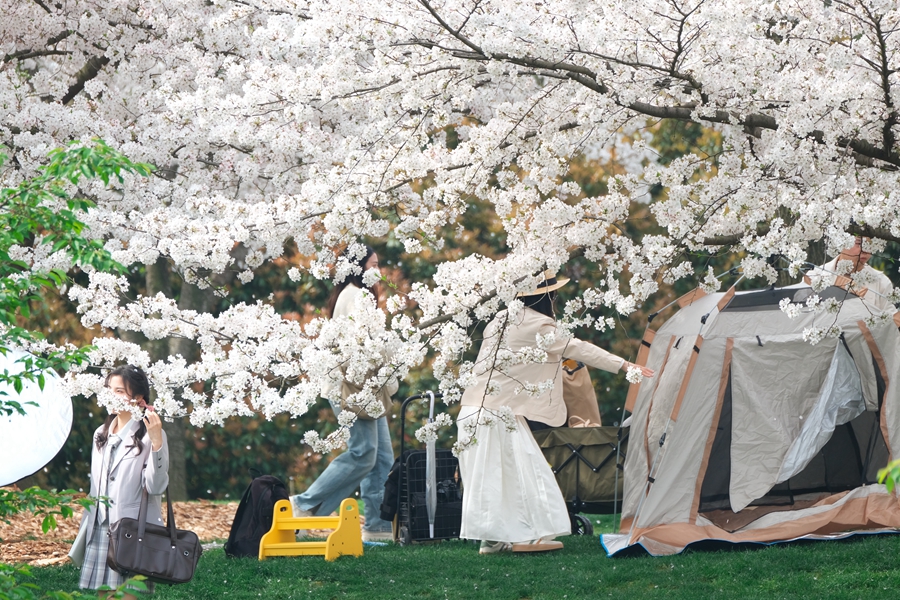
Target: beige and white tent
{"points": [[765, 437]]}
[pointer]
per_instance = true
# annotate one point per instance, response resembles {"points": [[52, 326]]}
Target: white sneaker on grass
{"points": [[488, 547], [537, 546], [300, 512], [377, 536]]}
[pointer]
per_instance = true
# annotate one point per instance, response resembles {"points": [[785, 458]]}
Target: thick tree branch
{"points": [[454, 32], [87, 72], [32, 53], [763, 229], [25, 54], [753, 123], [885, 72], [44, 6]]}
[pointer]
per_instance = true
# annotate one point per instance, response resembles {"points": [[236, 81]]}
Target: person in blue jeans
{"points": [[369, 455]]}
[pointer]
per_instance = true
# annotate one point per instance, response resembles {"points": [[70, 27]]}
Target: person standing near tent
{"points": [[369, 455], [128, 456], [874, 286], [512, 501]]}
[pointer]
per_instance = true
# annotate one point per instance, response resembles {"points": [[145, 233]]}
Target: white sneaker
{"points": [[300, 512], [377, 536], [494, 547]]}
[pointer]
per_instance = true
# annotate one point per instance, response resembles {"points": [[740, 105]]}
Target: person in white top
{"points": [[872, 285], [512, 501], [369, 455]]}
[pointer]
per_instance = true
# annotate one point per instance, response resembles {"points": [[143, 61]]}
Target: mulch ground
{"points": [[21, 540]]}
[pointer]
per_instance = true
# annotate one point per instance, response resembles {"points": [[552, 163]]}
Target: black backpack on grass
{"points": [[254, 515]]}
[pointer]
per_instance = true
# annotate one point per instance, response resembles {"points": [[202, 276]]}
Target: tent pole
{"points": [[616, 489]]}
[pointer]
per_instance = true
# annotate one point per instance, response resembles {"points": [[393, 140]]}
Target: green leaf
{"points": [[48, 523]]}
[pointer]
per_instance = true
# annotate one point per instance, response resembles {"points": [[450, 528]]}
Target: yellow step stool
{"points": [[346, 539]]}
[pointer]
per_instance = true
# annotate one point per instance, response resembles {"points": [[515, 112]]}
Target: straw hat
{"points": [[549, 284]]}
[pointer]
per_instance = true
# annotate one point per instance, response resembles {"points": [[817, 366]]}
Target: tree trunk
{"points": [[815, 253], [159, 279], [191, 298]]}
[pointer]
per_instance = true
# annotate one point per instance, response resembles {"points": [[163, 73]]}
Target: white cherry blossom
{"points": [[326, 124]]}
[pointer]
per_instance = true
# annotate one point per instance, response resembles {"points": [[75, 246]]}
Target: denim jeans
{"points": [[365, 464]]}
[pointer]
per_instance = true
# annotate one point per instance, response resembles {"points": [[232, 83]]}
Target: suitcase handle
{"points": [[431, 396]]}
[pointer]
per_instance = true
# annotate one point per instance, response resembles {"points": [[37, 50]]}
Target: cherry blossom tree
{"points": [[329, 123]]}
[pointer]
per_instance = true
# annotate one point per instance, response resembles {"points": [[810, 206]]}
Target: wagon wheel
{"points": [[582, 525]]}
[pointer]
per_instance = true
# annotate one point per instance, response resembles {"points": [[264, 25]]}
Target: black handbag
{"points": [[161, 554]]}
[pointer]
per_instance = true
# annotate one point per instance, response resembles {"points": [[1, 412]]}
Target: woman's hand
{"points": [[154, 428], [644, 370]]}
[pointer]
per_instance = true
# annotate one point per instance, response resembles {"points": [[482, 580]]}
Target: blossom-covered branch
{"points": [[320, 124]]}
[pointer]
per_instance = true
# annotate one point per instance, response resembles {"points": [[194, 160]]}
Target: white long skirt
{"points": [[510, 493]]}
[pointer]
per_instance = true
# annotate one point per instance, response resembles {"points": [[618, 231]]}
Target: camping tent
{"points": [[749, 433]]}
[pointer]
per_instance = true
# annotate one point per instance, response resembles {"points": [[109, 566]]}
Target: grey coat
{"points": [[129, 474]]}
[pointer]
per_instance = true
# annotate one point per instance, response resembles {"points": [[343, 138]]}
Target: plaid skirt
{"points": [[94, 571]]}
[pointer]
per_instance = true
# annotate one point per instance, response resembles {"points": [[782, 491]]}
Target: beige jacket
{"points": [[345, 307], [522, 333], [128, 475]]}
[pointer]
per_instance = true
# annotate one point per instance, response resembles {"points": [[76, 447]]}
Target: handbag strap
{"points": [[170, 516]]}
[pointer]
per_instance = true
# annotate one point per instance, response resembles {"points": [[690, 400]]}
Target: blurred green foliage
{"points": [[890, 475]]}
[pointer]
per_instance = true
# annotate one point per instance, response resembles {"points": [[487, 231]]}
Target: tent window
{"points": [[850, 458]]}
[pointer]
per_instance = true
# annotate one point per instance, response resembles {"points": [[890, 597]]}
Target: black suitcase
{"points": [[408, 476]]}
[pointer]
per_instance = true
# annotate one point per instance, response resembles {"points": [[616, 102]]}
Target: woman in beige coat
{"points": [[512, 501]]}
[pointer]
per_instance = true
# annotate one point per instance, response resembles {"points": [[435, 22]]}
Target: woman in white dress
{"points": [[512, 501]]}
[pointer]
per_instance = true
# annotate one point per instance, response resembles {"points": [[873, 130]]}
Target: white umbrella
{"points": [[30, 441], [430, 477]]}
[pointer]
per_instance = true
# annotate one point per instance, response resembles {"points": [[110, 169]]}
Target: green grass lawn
{"points": [[867, 567]]}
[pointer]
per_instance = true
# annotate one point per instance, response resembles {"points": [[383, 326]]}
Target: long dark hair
{"points": [[136, 384], [355, 279], [542, 303]]}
